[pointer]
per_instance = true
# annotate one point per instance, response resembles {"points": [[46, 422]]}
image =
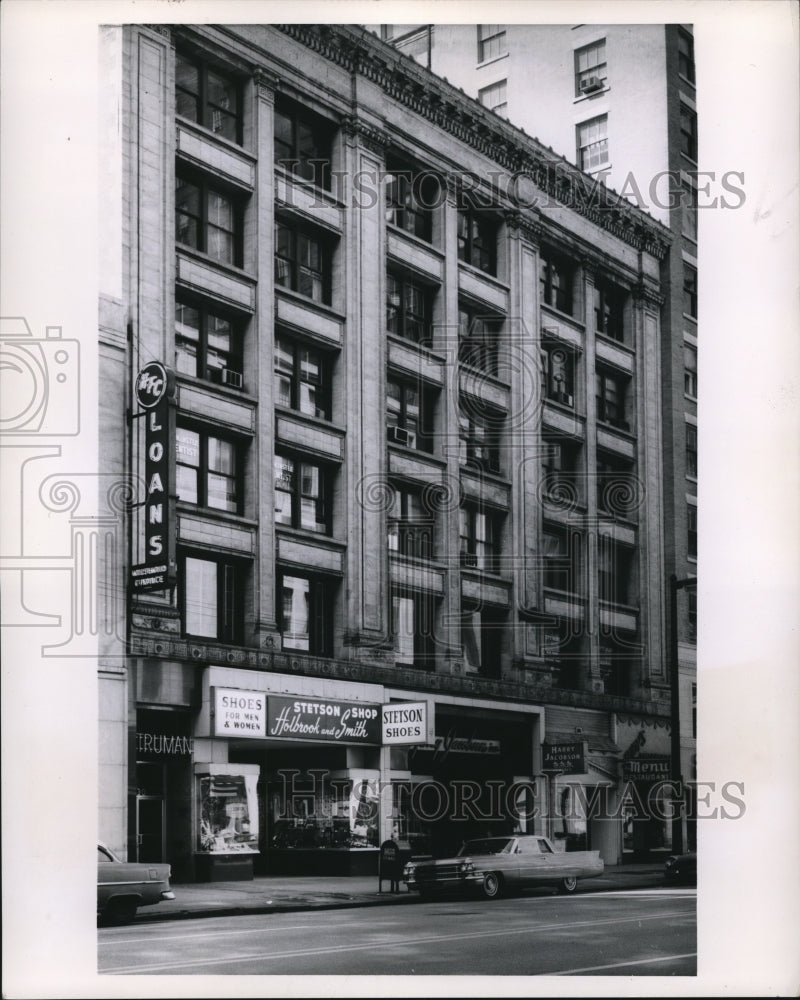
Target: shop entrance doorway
{"points": [[149, 828]]}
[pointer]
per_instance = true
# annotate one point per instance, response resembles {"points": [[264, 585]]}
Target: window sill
{"points": [[615, 343], [304, 535], [311, 421], [402, 341], [482, 376], [482, 275], [309, 303], [419, 241], [232, 269], [491, 61], [195, 382], [692, 319], [212, 514], [207, 133], [629, 432], [594, 93], [319, 192], [558, 314]]}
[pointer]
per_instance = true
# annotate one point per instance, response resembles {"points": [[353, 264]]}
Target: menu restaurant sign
{"points": [[646, 769]]}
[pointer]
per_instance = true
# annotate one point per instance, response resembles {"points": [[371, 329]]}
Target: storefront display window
{"points": [[227, 813], [334, 813]]}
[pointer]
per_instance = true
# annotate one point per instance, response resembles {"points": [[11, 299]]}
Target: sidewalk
{"points": [[286, 894]]}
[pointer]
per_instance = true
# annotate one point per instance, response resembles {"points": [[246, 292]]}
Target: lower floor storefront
{"points": [[264, 773]]}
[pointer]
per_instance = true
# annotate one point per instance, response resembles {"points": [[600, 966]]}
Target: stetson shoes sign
{"points": [[154, 393]]}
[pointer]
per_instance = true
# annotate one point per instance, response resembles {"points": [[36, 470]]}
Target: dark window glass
{"points": [[411, 195], [686, 56], [560, 375], [688, 132], [555, 281], [477, 239], [479, 533], [208, 345], [560, 475], [689, 205], [208, 96], [302, 263], [207, 219], [690, 290], [691, 450], [689, 370], [408, 308], [479, 436], [614, 571], [691, 530], [302, 494], [410, 525], [303, 144], [618, 489], [409, 414], [612, 400], [561, 559], [478, 340], [609, 311], [302, 377], [481, 640]]}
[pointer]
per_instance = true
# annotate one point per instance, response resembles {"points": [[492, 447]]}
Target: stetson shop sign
{"points": [[564, 758], [327, 720]]}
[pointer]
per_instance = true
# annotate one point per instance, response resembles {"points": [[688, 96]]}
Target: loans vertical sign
{"points": [[153, 392]]}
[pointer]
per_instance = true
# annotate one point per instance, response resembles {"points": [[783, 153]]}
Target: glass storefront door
{"points": [[149, 828]]}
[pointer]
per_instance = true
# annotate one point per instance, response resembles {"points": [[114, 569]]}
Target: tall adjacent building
{"points": [[381, 395], [620, 102]]}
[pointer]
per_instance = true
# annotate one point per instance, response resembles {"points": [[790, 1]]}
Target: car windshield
{"points": [[490, 845]]}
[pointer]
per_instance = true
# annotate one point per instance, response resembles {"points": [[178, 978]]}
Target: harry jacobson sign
{"points": [[155, 538]]}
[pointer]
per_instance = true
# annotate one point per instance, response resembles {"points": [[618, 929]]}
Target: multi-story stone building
{"points": [[618, 100], [384, 389]]}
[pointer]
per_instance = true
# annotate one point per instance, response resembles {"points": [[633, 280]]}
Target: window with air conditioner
{"points": [[208, 343], [590, 68], [409, 413]]}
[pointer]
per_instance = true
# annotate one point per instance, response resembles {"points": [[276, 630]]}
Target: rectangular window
{"points": [[411, 193], [207, 219], [561, 559], [413, 622], [690, 370], [479, 534], [479, 437], [477, 239], [302, 263], [481, 640], [302, 494], [302, 377], [491, 41], [495, 97], [303, 143], [206, 470], [208, 345], [560, 373], [593, 143], [614, 571], [609, 311], [691, 530], [689, 210], [688, 132], [691, 616], [615, 667], [478, 339], [555, 282], [686, 56], [213, 596], [410, 525], [560, 476], [409, 414], [691, 450], [689, 290], [612, 392], [590, 68], [209, 97], [305, 610], [618, 489], [408, 308]]}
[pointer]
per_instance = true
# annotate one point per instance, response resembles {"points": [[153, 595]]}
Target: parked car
{"points": [[124, 886], [681, 869], [495, 865]]}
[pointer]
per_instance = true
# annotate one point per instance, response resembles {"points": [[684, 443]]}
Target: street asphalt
{"points": [[285, 894]]}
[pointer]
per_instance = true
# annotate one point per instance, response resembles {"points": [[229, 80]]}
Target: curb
{"points": [[389, 899]]}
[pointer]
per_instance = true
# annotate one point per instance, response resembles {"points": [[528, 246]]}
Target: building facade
{"points": [[620, 102], [382, 390]]}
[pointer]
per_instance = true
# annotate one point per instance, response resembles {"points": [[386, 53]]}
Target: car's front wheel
{"points": [[121, 911], [568, 885], [492, 885]]}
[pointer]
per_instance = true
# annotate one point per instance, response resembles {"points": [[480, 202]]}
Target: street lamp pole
{"points": [[675, 711]]}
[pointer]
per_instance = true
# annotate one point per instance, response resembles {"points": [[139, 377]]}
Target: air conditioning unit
{"points": [[399, 435], [591, 83], [231, 378], [469, 559]]}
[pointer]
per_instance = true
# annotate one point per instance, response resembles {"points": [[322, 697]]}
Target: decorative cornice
{"points": [[266, 85], [644, 293], [203, 653], [408, 83], [371, 137], [527, 227]]}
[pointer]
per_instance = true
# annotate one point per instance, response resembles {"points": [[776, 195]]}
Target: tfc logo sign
{"points": [[151, 385], [154, 389]]}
